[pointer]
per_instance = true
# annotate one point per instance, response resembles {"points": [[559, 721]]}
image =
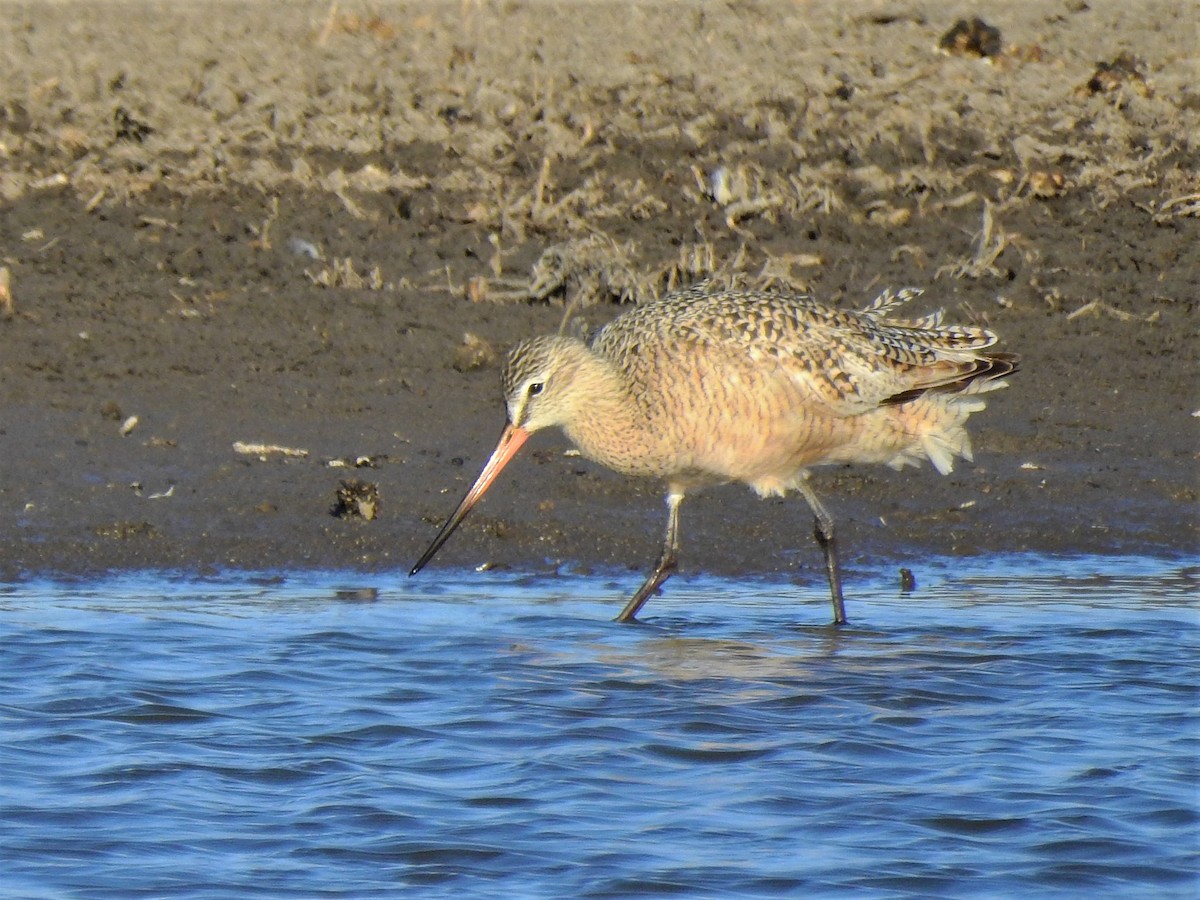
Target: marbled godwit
{"points": [[704, 387]]}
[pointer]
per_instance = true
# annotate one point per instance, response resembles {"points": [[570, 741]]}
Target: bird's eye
{"points": [[536, 388]]}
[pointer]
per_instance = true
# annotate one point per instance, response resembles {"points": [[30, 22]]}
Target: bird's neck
{"points": [[606, 423]]}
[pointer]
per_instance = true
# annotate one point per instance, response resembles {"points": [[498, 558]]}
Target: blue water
{"points": [[1028, 728]]}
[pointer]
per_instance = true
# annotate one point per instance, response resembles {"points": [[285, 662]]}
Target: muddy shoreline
{"points": [[210, 243]]}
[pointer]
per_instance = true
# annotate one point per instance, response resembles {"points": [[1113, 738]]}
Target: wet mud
{"points": [[256, 252]]}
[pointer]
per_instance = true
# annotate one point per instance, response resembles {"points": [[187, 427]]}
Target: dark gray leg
{"points": [[667, 562], [824, 535]]}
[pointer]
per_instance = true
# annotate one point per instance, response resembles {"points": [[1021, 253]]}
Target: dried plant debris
{"points": [[127, 128], [598, 269], [1044, 183], [975, 38], [593, 270], [262, 451], [341, 273], [337, 22], [990, 241], [742, 192], [1098, 308], [1039, 180], [140, 490], [357, 462], [356, 499], [1111, 77], [7, 306], [778, 273], [1187, 205], [473, 353], [125, 530]]}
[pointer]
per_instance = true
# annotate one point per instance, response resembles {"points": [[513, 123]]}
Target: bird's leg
{"points": [[667, 562], [823, 531]]}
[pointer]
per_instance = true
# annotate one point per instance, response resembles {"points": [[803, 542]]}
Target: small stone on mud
{"points": [[974, 38], [358, 595], [356, 499]]}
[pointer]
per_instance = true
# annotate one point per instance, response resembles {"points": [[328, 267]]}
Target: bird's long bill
{"points": [[511, 441]]}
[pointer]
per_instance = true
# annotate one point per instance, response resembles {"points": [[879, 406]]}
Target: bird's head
{"points": [[538, 380]]}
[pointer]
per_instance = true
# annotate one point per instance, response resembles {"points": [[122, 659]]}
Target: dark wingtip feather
{"points": [[990, 367]]}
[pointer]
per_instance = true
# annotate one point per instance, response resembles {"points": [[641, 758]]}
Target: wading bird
{"points": [[709, 386]]}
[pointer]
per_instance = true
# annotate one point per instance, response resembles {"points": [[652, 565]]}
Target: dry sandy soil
{"points": [[278, 224]]}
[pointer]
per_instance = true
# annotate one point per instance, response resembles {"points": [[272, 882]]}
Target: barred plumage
{"points": [[708, 386]]}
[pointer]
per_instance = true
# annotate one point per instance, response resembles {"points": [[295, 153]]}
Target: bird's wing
{"points": [[847, 362]]}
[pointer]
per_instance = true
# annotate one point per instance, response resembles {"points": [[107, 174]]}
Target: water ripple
{"points": [[1025, 727]]}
